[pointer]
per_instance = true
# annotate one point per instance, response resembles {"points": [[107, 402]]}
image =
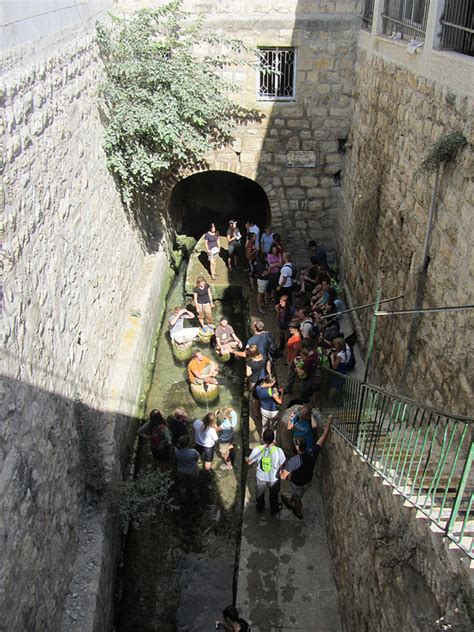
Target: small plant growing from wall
{"points": [[163, 96], [138, 501]]}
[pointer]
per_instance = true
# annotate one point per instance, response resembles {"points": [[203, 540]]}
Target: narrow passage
{"points": [[180, 572]]}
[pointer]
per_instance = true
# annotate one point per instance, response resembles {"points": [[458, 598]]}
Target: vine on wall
{"points": [[165, 102]]}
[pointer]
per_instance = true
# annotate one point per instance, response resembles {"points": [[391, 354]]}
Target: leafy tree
{"points": [[165, 101]]}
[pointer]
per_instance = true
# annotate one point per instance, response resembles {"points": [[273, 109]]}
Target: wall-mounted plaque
{"points": [[301, 159]]}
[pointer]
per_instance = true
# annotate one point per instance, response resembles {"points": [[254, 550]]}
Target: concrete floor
{"points": [[285, 579]]}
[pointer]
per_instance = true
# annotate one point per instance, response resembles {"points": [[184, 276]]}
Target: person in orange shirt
{"points": [[201, 370], [293, 347]]}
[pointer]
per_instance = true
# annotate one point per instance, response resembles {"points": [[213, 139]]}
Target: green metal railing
{"points": [[425, 454]]}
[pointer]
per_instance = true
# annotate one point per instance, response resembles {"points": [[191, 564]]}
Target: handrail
{"points": [[426, 454]]}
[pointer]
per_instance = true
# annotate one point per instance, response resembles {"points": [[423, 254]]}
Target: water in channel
{"points": [[178, 572]]}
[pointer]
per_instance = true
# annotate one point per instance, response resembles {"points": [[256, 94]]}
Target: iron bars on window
{"points": [[426, 455], [457, 26], [405, 17], [276, 74], [368, 14]]}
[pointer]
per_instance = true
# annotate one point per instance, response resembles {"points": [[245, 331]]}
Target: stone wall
{"points": [[81, 308], [294, 154], [399, 110], [393, 572]]}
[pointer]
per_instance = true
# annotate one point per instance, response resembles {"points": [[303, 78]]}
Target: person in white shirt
{"points": [[253, 228], [285, 282], [269, 459], [205, 436], [178, 332]]}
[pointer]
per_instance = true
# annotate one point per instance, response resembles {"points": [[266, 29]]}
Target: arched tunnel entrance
{"points": [[217, 196]]}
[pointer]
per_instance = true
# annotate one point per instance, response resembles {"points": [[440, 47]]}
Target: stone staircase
{"points": [[432, 474]]}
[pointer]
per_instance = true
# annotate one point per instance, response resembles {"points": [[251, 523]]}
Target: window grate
{"points": [[407, 17], [457, 24], [368, 14], [276, 74]]}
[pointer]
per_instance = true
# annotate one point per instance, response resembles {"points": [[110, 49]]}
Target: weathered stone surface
{"points": [[392, 571], [383, 218], [81, 311]]}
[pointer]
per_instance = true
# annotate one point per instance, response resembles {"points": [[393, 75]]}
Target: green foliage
{"points": [[165, 101], [443, 150], [140, 500]]}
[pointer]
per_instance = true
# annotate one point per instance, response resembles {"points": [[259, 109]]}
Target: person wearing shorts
{"points": [[262, 272], [233, 244], [203, 303], [213, 247], [205, 435], [226, 338], [201, 370]]}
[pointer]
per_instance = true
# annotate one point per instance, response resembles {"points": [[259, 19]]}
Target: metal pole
{"points": [[363, 390], [355, 309], [372, 335], [453, 308]]}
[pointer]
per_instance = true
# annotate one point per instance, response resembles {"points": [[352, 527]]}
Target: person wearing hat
{"points": [[213, 247], [234, 244]]}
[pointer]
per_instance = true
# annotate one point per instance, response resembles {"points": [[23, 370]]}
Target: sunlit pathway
{"points": [[285, 579]]}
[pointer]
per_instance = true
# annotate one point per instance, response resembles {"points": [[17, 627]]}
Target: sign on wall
{"points": [[301, 159]]}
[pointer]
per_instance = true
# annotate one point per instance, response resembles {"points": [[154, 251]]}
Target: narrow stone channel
{"points": [[179, 570]]}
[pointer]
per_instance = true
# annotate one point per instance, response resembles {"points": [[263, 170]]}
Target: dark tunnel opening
{"points": [[217, 196]]}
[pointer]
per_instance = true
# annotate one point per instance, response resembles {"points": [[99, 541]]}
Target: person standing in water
{"points": [[213, 247]]}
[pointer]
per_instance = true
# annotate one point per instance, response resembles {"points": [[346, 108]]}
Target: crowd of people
{"points": [[307, 307]]}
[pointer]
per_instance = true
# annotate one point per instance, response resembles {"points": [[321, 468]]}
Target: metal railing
{"points": [[368, 14], [407, 17], [457, 26], [426, 455]]}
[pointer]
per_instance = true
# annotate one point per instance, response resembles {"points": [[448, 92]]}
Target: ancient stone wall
{"points": [[398, 112], [295, 153], [392, 571], [81, 301]]}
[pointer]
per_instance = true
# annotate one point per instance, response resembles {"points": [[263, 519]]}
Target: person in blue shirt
{"points": [[299, 470], [226, 421], [300, 425], [271, 398]]}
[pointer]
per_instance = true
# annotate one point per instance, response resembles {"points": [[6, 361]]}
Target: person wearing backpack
{"points": [[285, 282], [159, 436], [269, 459], [270, 398]]}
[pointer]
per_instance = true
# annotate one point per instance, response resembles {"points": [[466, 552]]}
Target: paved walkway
{"points": [[285, 579]]}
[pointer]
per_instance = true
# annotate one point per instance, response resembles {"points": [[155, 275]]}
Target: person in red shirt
{"points": [[293, 347]]}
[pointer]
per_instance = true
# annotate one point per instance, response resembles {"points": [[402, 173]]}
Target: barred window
{"points": [[276, 74], [407, 17]]}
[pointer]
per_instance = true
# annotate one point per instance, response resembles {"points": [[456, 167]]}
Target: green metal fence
{"points": [[425, 454]]}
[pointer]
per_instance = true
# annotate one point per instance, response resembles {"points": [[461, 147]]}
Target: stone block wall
{"points": [[399, 110], [294, 154], [78, 319], [393, 572]]}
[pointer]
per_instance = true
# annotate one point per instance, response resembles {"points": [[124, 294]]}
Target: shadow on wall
{"points": [[58, 456]]}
